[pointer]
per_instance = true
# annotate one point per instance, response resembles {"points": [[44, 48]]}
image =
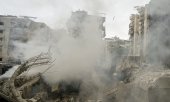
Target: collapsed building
{"points": [[136, 81]]}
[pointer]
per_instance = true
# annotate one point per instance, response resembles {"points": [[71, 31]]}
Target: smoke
{"points": [[159, 33], [81, 57], [158, 54]]}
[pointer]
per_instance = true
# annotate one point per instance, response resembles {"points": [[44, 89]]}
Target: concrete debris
{"points": [[20, 88]]}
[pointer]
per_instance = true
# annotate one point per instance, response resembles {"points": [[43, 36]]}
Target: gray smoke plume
{"points": [[75, 58], [159, 33]]}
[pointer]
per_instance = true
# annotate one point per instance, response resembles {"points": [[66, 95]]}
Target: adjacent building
{"points": [[14, 31], [116, 49], [149, 32], [138, 31], [4, 37], [81, 22]]}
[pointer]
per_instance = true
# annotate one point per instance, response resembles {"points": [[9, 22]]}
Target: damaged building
{"points": [[149, 33], [79, 22], [15, 29], [117, 49], [146, 78]]}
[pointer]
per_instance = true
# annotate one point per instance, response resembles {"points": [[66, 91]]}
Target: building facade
{"points": [[138, 31], [14, 31], [149, 32], [4, 37], [81, 22]]}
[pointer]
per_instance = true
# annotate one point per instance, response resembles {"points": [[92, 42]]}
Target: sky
{"points": [[56, 12]]}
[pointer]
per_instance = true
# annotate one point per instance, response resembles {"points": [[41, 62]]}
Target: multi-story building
{"points": [[4, 37], [138, 31], [149, 32], [15, 30], [81, 22]]}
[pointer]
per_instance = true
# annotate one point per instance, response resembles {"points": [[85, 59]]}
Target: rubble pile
{"points": [[18, 87], [25, 87]]}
